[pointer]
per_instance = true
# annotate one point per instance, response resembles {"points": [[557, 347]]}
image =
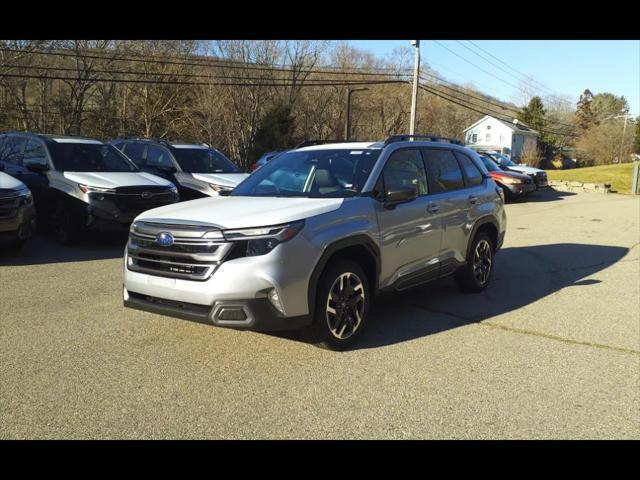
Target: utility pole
{"points": [[347, 122], [624, 129], [414, 97]]}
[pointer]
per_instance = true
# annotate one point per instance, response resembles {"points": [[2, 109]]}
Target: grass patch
{"points": [[619, 176]]}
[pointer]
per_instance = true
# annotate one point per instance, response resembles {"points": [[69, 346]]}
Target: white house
{"points": [[505, 137]]}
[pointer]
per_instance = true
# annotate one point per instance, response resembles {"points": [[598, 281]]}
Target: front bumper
{"points": [[520, 189], [541, 182], [257, 313], [20, 225]]}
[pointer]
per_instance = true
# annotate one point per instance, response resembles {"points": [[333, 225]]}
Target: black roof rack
{"points": [[164, 141], [424, 138], [309, 143]]}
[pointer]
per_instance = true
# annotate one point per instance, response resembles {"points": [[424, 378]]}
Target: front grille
{"points": [[190, 257], [135, 200], [9, 203]]}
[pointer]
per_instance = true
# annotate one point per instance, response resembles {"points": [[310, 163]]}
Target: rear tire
{"points": [[476, 274], [342, 306], [63, 227]]}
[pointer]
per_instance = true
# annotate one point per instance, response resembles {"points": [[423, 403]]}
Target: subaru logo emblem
{"points": [[146, 195], [164, 239]]}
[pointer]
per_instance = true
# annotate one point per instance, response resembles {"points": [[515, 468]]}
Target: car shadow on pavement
{"points": [[546, 195], [41, 249], [522, 275]]}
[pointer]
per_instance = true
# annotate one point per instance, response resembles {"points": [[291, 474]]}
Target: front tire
{"points": [[476, 274], [342, 306]]}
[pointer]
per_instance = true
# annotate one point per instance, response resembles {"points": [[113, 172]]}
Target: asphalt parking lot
{"points": [[550, 350]]}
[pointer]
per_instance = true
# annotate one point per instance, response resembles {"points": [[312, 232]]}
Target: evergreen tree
{"points": [[275, 131], [584, 117], [636, 144], [533, 115]]}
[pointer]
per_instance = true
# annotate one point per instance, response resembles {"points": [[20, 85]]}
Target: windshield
{"points": [[89, 157], [490, 164], [503, 160], [203, 160], [311, 173]]}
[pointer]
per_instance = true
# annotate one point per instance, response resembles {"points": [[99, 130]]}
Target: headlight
{"points": [[87, 189], [261, 240], [25, 196], [511, 180]]}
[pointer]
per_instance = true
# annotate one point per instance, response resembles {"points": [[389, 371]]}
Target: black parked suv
{"points": [[197, 169], [80, 183]]}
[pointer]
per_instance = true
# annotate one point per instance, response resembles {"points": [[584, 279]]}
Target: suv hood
{"points": [[525, 170], [7, 182], [224, 179], [116, 179], [241, 212]]}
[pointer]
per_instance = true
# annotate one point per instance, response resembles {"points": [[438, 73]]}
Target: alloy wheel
{"points": [[482, 262], [345, 305]]}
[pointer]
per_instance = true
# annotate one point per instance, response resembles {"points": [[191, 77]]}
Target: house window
{"points": [[474, 137], [501, 138], [488, 127], [488, 137]]}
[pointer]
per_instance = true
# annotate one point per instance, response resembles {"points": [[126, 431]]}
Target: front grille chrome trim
{"points": [[198, 264]]}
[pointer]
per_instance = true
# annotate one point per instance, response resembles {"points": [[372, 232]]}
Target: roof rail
{"points": [[309, 143], [425, 138]]}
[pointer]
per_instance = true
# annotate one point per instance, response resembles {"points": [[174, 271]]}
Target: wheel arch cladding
{"points": [[361, 249], [486, 225]]}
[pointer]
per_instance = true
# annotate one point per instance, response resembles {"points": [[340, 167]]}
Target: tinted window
{"points": [[472, 174], [13, 150], [445, 173], [405, 169], [311, 173], [490, 164], [135, 151], [35, 153], [203, 160], [89, 157], [158, 157], [119, 146]]}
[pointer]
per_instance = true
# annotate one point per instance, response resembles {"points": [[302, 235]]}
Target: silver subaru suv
{"points": [[308, 240]]}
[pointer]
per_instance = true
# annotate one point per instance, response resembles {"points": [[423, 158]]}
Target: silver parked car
{"points": [[308, 239]]}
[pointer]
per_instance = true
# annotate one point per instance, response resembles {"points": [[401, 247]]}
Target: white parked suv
{"points": [[307, 240]]}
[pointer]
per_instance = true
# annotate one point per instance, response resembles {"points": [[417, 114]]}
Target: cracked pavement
{"points": [[550, 350]]}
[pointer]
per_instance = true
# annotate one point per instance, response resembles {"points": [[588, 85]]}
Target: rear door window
{"points": [[472, 174]]}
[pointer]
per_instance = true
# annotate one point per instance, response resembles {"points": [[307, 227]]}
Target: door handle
{"points": [[473, 199], [433, 208]]}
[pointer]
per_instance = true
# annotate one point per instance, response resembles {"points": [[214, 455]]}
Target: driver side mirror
{"points": [[37, 167], [395, 197]]}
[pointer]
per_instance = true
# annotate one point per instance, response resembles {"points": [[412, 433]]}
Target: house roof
{"points": [[515, 127]]}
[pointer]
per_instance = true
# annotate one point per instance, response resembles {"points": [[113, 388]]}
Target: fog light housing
{"points": [[232, 313], [273, 297]]}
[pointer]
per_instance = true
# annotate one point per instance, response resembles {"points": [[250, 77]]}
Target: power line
{"points": [[478, 67], [268, 83], [464, 104], [210, 63], [515, 110], [528, 77], [169, 74]]}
